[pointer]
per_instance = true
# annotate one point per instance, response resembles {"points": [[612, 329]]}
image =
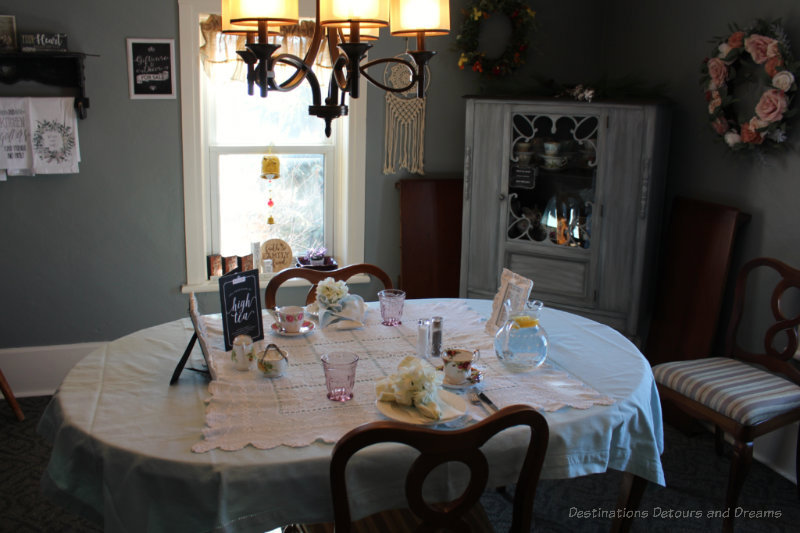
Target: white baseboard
{"points": [[39, 370]]}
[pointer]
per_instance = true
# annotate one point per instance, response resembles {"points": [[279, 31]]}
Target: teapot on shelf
{"points": [[522, 344]]}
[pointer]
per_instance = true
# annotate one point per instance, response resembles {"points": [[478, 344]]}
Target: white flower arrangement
{"points": [[416, 383], [331, 292]]}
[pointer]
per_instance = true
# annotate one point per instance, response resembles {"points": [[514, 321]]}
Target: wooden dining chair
{"points": [[436, 447], [8, 394], [745, 394], [315, 276]]}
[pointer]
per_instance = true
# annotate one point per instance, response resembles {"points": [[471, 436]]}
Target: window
{"points": [[319, 198], [245, 208]]}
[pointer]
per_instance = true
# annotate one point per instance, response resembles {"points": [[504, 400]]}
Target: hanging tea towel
{"points": [[54, 135], [15, 143]]}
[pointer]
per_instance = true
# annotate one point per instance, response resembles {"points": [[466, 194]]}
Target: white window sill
{"points": [[212, 285]]}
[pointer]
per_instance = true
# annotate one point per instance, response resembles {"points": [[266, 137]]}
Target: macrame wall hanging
{"points": [[405, 121]]}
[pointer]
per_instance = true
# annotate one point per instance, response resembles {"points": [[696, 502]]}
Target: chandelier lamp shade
{"points": [[348, 26]]}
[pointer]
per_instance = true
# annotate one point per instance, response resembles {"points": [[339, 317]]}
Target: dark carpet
{"points": [[696, 480]]}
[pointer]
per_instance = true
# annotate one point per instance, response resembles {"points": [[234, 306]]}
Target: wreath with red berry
{"points": [[759, 54], [521, 17]]}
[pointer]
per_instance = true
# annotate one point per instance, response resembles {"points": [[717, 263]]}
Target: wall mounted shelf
{"points": [[62, 69]]}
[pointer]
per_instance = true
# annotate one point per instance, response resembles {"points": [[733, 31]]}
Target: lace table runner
{"points": [[246, 408]]}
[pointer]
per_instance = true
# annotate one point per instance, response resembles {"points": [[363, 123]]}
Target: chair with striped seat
{"points": [[745, 394]]}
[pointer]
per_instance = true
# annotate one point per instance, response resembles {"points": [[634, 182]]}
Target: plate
{"points": [[305, 329], [453, 406], [475, 377]]}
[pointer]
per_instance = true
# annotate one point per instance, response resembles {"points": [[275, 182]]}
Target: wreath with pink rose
{"points": [[761, 55]]}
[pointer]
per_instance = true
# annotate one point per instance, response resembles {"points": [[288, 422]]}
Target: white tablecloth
{"points": [[123, 437]]}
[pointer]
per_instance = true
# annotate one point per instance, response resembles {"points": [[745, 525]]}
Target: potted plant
{"points": [[316, 256]]}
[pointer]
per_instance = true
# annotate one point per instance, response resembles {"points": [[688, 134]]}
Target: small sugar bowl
{"points": [[273, 362]]}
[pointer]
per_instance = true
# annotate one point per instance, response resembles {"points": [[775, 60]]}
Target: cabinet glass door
{"points": [[551, 183]]}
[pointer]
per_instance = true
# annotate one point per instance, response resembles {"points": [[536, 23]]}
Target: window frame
{"points": [[349, 174]]}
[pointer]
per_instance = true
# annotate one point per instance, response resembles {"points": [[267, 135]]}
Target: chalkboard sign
{"points": [[523, 178], [151, 68], [240, 297]]}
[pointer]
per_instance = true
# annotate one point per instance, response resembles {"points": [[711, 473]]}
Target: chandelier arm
{"points": [[308, 75], [338, 75], [414, 76], [311, 55], [336, 36]]}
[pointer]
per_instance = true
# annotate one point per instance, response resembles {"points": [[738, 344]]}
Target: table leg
{"points": [[630, 496]]}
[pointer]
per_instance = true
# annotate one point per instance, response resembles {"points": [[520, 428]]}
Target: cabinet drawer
{"points": [[555, 280]]}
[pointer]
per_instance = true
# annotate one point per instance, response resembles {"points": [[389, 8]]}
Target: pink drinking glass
{"points": [[391, 301], [340, 374]]}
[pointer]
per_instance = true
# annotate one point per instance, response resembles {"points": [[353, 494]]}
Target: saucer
{"points": [[554, 162], [475, 377], [305, 329]]}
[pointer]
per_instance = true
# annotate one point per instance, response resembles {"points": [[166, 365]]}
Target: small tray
{"points": [[330, 264]]}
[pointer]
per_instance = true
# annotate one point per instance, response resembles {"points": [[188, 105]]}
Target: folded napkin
{"points": [[415, 384], [348, 313]]}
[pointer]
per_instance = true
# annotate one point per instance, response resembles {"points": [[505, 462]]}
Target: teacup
{"points": [[552, 147], [523, 147], [290, 318], [458, 364], [524, 158], [273, 362], [243, 352]]}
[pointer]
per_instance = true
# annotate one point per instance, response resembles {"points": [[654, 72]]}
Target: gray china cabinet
{"points": [[568, 194]]}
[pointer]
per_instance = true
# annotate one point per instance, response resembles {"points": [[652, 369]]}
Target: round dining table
{"points": [[125, 441]]}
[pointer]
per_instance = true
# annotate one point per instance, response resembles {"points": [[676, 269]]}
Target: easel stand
{"points": [[182, 362]]}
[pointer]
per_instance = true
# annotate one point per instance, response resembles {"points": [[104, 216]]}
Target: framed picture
{"points": [[151, 68], [8, 33], [512, 287], [240, 296]]}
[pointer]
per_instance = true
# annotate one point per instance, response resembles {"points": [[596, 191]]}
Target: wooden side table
{"points": [[430, 230], [9, 396]]}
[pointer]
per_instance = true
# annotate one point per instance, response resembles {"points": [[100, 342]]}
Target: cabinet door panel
{"points": [[554, 280], [619, 194], [485, 142]]}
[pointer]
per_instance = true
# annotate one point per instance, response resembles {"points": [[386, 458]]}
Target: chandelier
{"points": [[348, 26]]}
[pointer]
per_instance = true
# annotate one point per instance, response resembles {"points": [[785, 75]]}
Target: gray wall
{"points": [[96, 255]]}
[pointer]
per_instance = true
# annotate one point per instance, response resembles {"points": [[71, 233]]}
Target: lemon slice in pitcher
{"points": [[524, 321]]}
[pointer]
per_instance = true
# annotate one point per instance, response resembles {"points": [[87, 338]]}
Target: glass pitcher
{"points": [[522, 344]]}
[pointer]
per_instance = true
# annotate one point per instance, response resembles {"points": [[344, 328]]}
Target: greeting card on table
{"points": [[240, 296]]}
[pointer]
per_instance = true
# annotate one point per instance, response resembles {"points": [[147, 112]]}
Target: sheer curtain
{"points": [[219, 58]]}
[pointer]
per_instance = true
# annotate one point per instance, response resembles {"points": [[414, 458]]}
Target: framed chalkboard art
{"points": [[240, 297], [151, 68]]}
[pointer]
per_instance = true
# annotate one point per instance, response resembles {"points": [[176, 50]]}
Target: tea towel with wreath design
{"points": [[53, 129]]}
